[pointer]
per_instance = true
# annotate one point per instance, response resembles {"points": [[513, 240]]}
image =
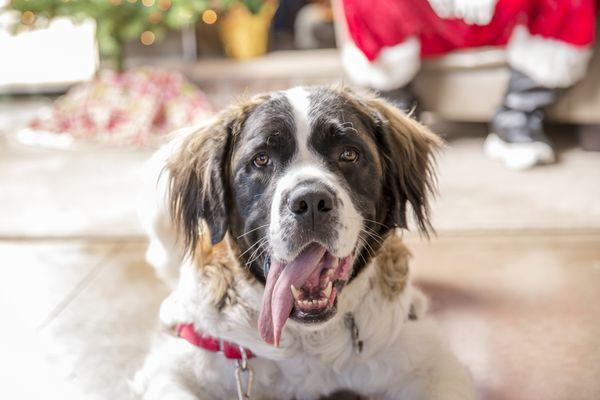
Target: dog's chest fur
{"points": [[223, 300]]}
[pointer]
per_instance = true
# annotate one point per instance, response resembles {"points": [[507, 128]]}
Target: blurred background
{"points": [[89, 89]]}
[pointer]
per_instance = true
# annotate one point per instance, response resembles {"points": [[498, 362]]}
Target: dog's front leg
{"points": [[431, 370], [449, 380], [165, 388], [171, 372]]}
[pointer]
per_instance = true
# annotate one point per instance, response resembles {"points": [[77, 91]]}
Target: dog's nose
{"points": [[311, 203]]}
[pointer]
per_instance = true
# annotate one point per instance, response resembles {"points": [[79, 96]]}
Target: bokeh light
{"points": [[164, 4], [28, 17], [147, 38], [209, 17]]}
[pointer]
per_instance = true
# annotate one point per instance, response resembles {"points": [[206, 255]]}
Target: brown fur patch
{"points": [[219, 270], [198, 170], [392, 267]]}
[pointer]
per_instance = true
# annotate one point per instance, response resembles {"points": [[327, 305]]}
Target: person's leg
{"points": [[550, 53], [517, 136]]}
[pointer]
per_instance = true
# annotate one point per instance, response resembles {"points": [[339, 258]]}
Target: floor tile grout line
{"points": [[114, 250]]}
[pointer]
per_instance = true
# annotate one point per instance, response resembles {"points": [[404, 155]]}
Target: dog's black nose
{"points": [[311, 202]]}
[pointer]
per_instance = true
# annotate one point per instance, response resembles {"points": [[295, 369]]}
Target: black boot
{"points": [[404, 98], [517, 135]]}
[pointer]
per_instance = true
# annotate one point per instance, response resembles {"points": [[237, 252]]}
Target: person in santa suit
{"points": [[548, 45]]}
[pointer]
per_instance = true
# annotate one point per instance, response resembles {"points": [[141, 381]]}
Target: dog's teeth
{"points": [[322, 302], [295, 292], [327, 290]]}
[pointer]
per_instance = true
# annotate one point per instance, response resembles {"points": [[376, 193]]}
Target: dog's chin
{"points": [[304, 288]]}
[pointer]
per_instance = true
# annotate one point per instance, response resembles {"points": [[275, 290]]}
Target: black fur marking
{"points": [[335, 125], [269, 128]]}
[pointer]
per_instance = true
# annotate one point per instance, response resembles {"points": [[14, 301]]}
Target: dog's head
{"points": [[307, 182]]}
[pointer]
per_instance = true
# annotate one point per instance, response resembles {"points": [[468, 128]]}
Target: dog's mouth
{"points": [[304, 289]]}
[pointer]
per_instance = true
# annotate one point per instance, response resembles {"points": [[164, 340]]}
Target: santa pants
{"points": [[548, 40]]}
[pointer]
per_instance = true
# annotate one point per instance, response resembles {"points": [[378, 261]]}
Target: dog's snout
{"points": [[311, 202]]}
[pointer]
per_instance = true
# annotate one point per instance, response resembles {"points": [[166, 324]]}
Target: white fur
{"points": [[298, 98], [401, 359], [549, 62], [164, 251]]}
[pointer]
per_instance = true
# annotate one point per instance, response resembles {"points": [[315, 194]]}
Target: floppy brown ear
{"points": [[198, 189], [409, 164]]}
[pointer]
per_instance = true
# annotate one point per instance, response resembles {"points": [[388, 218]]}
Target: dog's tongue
{"points": [[277, 299]]}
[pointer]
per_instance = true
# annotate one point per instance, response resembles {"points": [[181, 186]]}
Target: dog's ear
{"points": [[198, 170], [408, 150]]}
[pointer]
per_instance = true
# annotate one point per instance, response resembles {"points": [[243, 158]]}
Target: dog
{"points": [[277, 225]]}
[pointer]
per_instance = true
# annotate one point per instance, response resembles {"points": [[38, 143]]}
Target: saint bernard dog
{"points": [[276, 224]]}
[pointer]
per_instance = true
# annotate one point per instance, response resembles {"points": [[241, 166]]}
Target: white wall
{"points": [[47, 59]]}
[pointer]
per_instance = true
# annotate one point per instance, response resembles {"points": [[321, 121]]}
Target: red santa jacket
{"points": [[375, 24]]}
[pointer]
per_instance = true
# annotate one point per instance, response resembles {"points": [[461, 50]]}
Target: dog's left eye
{"points": [[262, 160], [349, 154]]}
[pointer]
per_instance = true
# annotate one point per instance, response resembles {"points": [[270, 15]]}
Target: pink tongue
{"points": [[277, 299]]}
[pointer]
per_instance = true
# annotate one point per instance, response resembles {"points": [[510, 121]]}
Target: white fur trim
{"points": [[550, 62], [395, 66], [473, 12]]}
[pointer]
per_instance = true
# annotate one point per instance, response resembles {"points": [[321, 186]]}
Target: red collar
{"points": [[211, 343]]}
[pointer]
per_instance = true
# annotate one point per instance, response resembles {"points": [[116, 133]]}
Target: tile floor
{"points": [[522, 311]]}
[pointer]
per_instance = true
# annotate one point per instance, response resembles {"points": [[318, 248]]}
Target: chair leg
{"points": [[589, 137]]}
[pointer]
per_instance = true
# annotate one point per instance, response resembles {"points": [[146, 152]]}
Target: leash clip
{"points": [[242, 368], [350, 323]]}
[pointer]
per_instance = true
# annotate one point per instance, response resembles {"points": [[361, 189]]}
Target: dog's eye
{"points": [[349, 154], [262, 160]]}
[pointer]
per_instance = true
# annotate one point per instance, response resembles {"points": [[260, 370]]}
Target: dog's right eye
{"points": [[262, 160]]}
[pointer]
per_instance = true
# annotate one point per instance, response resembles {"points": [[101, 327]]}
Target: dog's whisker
{"points": [[375, 237], [369, 247], [372, 231], [376, 222], [367, 250], [265, 248], [254, 244], [252, 230], [366, 246], [369, 220], [378, 239], [251, 258]]}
